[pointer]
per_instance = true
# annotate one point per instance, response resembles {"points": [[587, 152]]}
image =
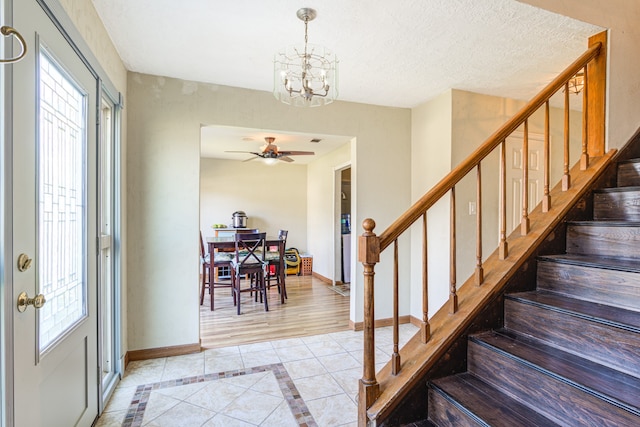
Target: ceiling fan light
{"points": [[270, 160]]}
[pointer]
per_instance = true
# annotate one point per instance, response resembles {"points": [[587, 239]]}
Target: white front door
{"points": [[54, 224]]}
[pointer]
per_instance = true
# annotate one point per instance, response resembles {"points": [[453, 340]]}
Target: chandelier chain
{"points": [[306, 35], [306, 39]]}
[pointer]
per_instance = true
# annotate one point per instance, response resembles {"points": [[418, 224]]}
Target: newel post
{"points": [[596, 88], [368, 255]]}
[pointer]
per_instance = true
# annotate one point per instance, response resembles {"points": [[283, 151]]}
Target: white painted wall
{"points": [[430, 162], [165, 116], [623, 80], [274, 197], [445, 131]]}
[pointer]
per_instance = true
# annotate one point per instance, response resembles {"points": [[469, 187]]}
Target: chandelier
{"points": [[305, 75]]}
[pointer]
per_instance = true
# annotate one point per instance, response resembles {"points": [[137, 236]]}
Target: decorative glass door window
{"points": [[62, 202]]}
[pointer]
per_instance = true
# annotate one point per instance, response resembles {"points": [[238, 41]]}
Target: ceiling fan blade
{"points": [[250, 158], [245, 152], [285, 159], [297, 153]]}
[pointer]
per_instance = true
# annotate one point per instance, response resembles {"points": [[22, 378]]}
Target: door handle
{"points": [[7, 31], [24, 301]]}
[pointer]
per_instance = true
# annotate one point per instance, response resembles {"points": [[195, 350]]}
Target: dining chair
{"points": [[209, 282], [275, 258], [205, 262], [248, 260]]}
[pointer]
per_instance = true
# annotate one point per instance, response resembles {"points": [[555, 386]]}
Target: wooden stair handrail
{"points": [[371, 245], [452, 178]]}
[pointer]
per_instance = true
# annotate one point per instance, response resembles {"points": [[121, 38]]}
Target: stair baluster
{"points": [[453, 293], [503, 246], [566, 178], [525, 225], [395, 356], [479, 268], [584, 157], [370, 245], [425, 329], [546, 197]]}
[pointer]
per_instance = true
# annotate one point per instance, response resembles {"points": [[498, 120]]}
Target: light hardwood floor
{"points": [[312, 308]]}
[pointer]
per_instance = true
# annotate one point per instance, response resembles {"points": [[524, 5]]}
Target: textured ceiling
{"points": [[397, 53]]}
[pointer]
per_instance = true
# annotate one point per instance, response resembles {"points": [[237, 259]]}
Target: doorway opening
{"points": [[345, 224], [342, 230], [295, 194]]}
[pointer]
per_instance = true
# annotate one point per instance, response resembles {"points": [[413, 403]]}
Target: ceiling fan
{"points": [[271, 151]]}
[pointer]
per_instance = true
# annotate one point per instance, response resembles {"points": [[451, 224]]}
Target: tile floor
{"points": [[308, 381]]}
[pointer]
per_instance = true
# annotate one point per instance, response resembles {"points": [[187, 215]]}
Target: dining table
{"points": [[227, 244]]}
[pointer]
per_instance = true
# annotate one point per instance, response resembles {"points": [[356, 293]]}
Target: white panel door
{"points": [[514, 176], [54, 224]]}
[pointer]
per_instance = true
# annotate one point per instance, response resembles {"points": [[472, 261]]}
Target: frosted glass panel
{"points": [[61, 201]]}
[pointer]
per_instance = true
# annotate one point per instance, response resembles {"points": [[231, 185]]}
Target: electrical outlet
{"points": [[472, 208]]}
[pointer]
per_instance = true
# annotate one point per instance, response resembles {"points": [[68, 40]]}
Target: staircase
{"points": [[569, 352]]}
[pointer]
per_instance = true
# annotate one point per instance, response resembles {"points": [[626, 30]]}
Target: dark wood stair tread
{"points": [[612, 316], [421, 423], [485, 404], [630, 188], [613, 386], [621, 162], [612, 238], [603, 223], [628, 173], [618, 203], [608, 263]]}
